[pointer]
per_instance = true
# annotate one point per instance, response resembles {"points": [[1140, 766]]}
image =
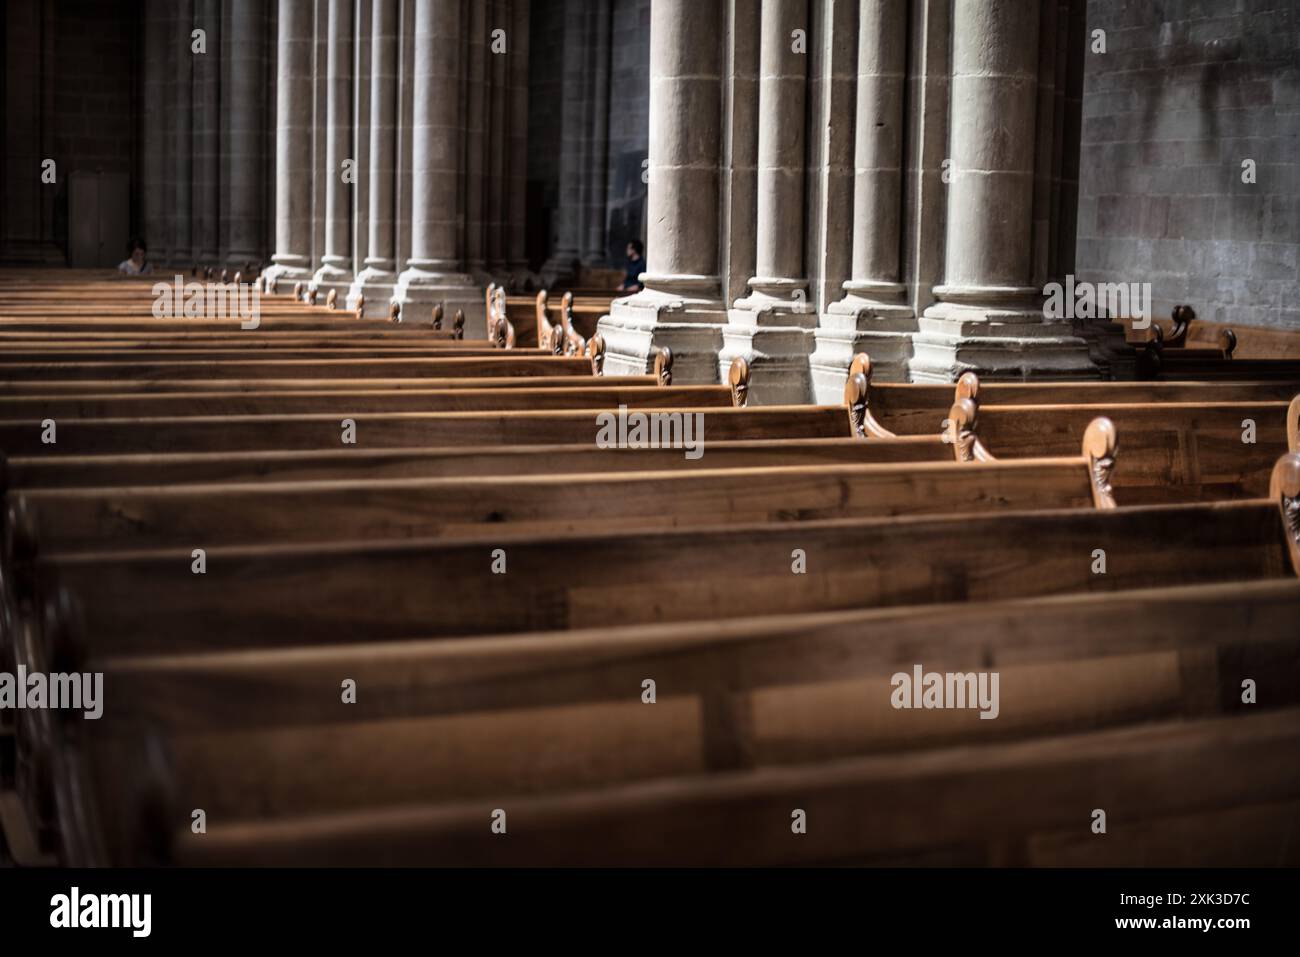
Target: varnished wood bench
{"points": [[597, 393], [916, 408], [1003, 803], [268, 339], [152, 601], [1172, 451], [483, 506], [217, 355], [561, 324], [39, 322], [1209, 636], [387, 430], [475, 365], [1245, 342], [1157, 362], [350, 592], [31, 388], [789, 690], [73, 471]]}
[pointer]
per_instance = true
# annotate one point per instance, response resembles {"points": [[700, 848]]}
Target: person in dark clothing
{"points": [[135, 264], [635, 266]]}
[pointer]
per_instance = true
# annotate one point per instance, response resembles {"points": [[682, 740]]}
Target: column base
{"points": [[419, 288], [857, 323], [331, 275], [377, 285], [686, 314], [775, 335], [1002, 338], [283, 273]]}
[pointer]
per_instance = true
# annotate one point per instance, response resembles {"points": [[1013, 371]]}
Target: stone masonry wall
{"points": [[1186, 91]]}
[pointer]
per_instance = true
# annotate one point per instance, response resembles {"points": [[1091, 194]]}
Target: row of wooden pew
{"points": [[566, 327], [472, 635]]}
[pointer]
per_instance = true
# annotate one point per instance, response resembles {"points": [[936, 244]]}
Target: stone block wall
{"points": [[1184, 94]]}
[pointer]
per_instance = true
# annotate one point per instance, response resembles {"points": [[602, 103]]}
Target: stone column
{"points": [[772, 327], [873, 315], [433, 273], [182, 248], [476, 146], [740, 147], [359, 192], [681, 305], [336, 263], [989, 316], [205, 107], [499, 144], [376, 280], [293, 132], [592, 247], [517, 165], [247, 55], [405, 125]]}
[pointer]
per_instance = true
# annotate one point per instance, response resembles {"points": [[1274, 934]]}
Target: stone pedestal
{"points": [[998, 333], [684, 315], [863, 321]]}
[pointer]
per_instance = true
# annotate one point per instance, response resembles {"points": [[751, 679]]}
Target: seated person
{"points": [[635, 266], [134, 264]]}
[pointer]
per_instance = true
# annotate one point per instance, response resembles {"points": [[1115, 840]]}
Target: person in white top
{"points": [[135, 265]]}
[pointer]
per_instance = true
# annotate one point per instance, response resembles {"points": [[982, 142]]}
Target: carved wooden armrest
{"points": [[738, 379], [857, 400], [1284, 489], [1100, 445], [596, 352], [961, 425], [664, 366]]}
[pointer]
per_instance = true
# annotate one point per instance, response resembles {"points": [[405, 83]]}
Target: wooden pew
{"points": [[1172, 451], [136, 602], [945, 806], [76, 471], [386, 430], [1234, 628], [917, 409], [270, 339], [812, 687], [598, 393], [29, 389], [564, 324], [219, 354], [40, 321], [474, 365], [481, 507], [363, 590], [1158, 362]]}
